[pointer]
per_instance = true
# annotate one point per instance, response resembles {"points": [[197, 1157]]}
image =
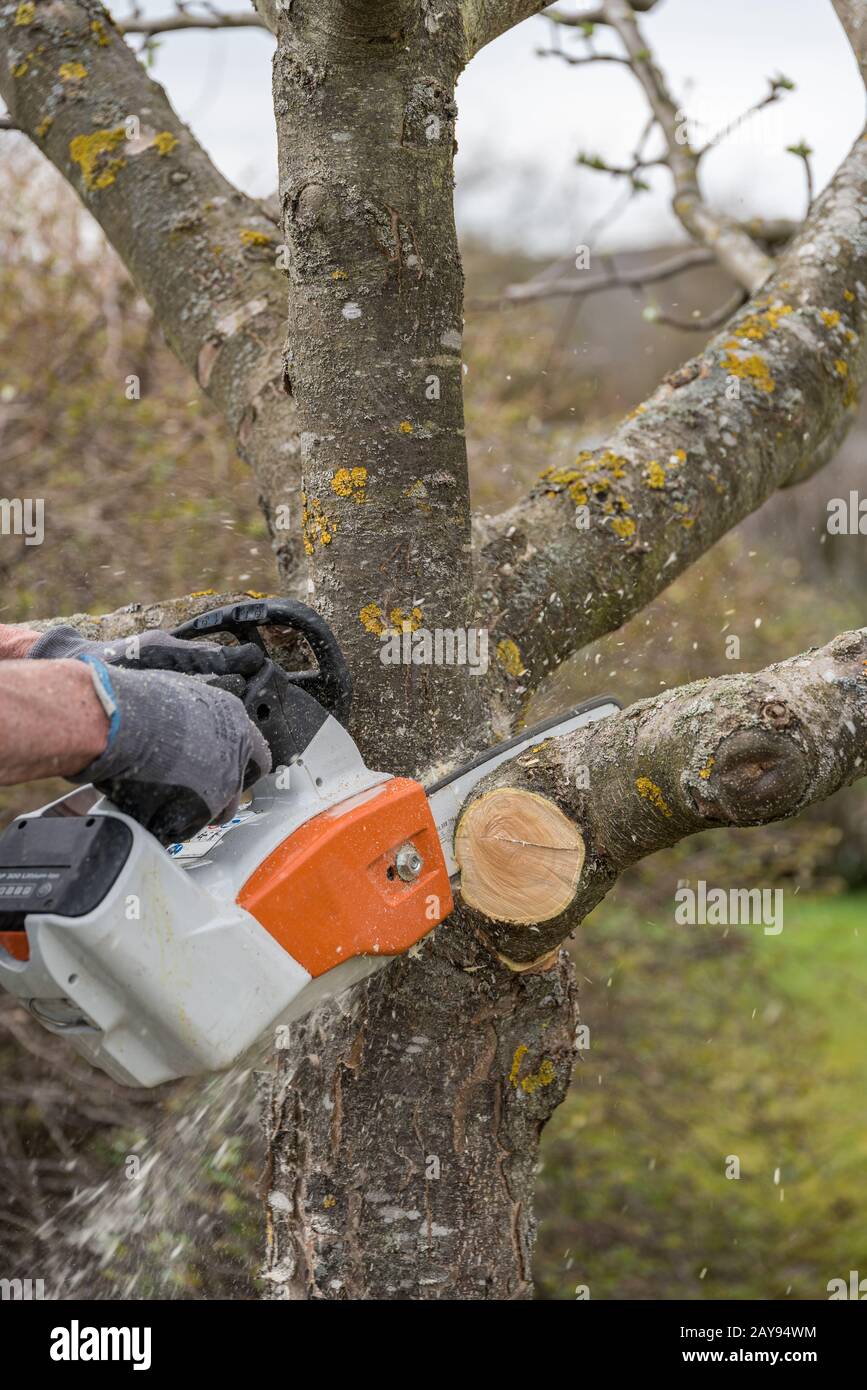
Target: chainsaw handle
{"points": [[330, 685]]}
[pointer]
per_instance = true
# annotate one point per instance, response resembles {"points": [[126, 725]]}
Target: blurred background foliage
{"points": [[704, 1042]]}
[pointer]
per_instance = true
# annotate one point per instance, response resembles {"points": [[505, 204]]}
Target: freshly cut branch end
{"points": [[520, 856]]}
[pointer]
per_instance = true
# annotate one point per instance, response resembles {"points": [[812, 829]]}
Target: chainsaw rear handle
{"points": [[330, 685]]}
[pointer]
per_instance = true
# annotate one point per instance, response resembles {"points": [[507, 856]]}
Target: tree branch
{"points": [[598, 16], [852, 14], [734, 249], [203, 254], [572, 815], [172, 23], [759, 409], [485, 20], [576, 285], [700, 323]]}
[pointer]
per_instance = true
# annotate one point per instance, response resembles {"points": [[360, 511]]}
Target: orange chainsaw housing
{"points": [[331, 890]]}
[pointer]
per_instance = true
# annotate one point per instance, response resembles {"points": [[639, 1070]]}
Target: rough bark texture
{"points": [[203, 254], [459, 1062], [365, 113]]}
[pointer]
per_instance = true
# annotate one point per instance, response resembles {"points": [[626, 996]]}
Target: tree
{"points": [[403, 1121]]}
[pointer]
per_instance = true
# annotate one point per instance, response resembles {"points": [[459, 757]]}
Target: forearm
{"points": [[52, 723], [15, 642]]}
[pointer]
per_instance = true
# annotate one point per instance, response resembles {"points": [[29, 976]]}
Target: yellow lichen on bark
{"points": [[317, 527], [165, 142], [406, 622], [509, 657], [753, 368], [372, 619], [350, 482], [250, 237], [652, 793], [93, 154]]}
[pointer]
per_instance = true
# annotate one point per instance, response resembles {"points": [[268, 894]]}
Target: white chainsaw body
{"points": [[168, 976]]}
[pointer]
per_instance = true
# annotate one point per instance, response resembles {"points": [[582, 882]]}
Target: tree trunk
{"points": [[402, 1153], [365, 111], [403, 1127]]}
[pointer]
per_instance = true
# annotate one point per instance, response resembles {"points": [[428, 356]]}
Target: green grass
{"points": [[705, 1045]]}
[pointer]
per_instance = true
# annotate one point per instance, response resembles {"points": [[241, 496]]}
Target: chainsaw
{"points": [[160, 957]]}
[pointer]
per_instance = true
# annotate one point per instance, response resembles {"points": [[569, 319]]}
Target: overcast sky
{"points": [[523, 118]]}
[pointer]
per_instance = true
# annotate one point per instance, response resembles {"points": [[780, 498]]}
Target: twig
{"points": [[579, 21], [614, 279], [777, 85], [172, 23], [701, 323], [735, 251], [804, 153]]}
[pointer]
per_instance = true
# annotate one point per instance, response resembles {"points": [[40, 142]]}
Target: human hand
{"points": [[153, 650], [179, 751]]}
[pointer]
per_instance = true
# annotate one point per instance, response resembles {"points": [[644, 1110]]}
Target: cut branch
{"points": [[736, 750], [759, 409]]}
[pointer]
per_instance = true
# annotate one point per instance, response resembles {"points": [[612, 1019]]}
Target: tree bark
{"points": [[364, 96], [403, 1125]]}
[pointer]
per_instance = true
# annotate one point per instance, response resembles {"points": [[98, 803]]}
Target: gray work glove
{"points": [[151, 651], [179, 751]]}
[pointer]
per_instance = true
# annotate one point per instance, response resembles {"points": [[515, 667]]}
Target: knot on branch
{"points": [[759, 774]]}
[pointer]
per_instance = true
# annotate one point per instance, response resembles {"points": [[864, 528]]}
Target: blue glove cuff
{"points": [[105, 694]]}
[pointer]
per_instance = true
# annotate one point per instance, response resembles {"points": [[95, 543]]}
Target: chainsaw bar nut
{"points": [[408, 863]]}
